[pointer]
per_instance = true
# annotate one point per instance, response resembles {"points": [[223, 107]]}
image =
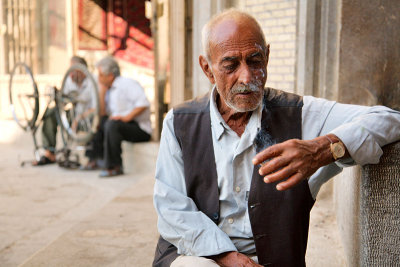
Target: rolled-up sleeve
{"points": [[363, 130], [179, 220], [367, 132]]}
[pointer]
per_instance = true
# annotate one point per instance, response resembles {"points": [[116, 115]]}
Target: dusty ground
{"points": [[51, 216]]}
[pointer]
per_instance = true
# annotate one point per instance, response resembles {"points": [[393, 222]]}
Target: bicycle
{"points": [[76, 126]]}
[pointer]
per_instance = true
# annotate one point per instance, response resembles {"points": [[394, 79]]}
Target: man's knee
{"points": [[184, 261]]}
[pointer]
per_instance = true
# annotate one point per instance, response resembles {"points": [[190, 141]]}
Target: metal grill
{"points": [[18, 32]]}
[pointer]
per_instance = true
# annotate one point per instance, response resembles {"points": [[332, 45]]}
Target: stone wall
{"points": [[370, 53], [278, 19], [368, 67], [379, 210]]}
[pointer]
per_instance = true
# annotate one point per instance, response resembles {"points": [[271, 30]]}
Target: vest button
{"points": [[237, 189], [215, 216], [230, 220]]}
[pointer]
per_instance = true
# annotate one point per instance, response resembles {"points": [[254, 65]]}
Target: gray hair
{"points": [[109, 65], [79, 60], [233, 14]]}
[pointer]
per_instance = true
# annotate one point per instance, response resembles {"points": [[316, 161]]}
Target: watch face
{"points": [[338, 150]]}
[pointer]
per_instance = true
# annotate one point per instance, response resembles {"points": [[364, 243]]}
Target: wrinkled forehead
{"points": [[235, 35]]}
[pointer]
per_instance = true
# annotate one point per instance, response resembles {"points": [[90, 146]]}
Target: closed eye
{"points": [[230, 67]]}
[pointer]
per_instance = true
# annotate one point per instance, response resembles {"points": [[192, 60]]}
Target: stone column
{"points": [[368, 67], [355, 59], [370, 52], [380, 210], [208, 8], [177, 48]]}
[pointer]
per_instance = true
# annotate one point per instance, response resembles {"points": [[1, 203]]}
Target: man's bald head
{"points": [[239, 17]]}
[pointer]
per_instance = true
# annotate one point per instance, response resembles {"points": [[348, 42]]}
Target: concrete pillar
{"points": [[318, 49], [201, 85], [3, 32], [177, 48], [208, 8], [329, 49], [347, 206], [348, 50], [370, 52], [307, 35], [71, 26], [368, 67]]}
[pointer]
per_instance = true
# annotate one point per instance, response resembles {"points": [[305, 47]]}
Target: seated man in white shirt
{"points": [[125, 112], [77, 83], [219, 203]]}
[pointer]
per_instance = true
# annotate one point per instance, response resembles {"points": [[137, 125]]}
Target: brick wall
{"points": [[278, 20]]}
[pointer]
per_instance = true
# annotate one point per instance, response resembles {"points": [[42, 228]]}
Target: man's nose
{"points": [[244, 74]]}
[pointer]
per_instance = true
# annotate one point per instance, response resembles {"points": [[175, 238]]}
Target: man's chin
{"points": [[244, 107]]}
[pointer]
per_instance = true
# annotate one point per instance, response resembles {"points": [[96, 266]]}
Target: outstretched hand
{"points": [[234, 259], [293, 160]]}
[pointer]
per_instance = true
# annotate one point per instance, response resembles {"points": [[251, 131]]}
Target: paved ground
{"points": [[51, 216]]}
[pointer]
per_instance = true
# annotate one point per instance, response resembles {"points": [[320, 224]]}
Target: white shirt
{"points": [[86, 94], [362, 129], [125, 95]]}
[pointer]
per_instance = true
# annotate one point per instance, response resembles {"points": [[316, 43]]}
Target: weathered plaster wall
{"points": [[369, 67], [370, 52]]}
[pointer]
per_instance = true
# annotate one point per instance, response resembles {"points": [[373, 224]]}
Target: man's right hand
{"points": [[234, 259]]}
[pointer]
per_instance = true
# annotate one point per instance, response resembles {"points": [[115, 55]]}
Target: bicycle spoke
{"points": [[24, 97], [78, 105]]}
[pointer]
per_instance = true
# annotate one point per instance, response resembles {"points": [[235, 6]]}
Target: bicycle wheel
{"points": [[78, 104], [24, 96]]}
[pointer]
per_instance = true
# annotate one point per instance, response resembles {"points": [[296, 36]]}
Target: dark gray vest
{"points": [[279, 220]]}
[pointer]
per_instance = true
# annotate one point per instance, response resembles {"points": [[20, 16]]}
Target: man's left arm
{"points": [[135, 93], [363, 130]]}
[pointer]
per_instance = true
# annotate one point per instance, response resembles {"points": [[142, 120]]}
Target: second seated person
{"points": [[125, 115]]}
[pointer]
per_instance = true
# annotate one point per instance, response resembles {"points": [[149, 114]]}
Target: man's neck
{"points": [[237, 121]]}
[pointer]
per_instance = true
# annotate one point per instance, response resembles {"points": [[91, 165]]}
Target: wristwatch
{"points": [[337, 148]]}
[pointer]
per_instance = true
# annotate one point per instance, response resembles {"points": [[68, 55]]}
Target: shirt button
{"points": [[230, 220], [237, 189]]}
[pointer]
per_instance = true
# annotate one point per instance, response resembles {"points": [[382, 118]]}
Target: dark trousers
{"points": [[106, 143], [49, 130]]}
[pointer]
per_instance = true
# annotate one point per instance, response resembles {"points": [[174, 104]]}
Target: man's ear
{"points": [[206, 69]]}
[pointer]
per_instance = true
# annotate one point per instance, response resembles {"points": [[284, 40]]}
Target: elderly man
{"points": [[76, 83], [221, 204], [125, 113]]}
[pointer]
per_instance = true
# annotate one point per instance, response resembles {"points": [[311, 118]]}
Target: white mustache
{"points": [[248, 88]]}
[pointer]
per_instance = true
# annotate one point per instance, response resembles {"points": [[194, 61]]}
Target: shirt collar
{"points": [[219, 125]]}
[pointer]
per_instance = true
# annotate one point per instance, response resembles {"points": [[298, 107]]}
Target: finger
{"points": [[267, 153], [273, 165], [289, 183], [279, 175]]}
